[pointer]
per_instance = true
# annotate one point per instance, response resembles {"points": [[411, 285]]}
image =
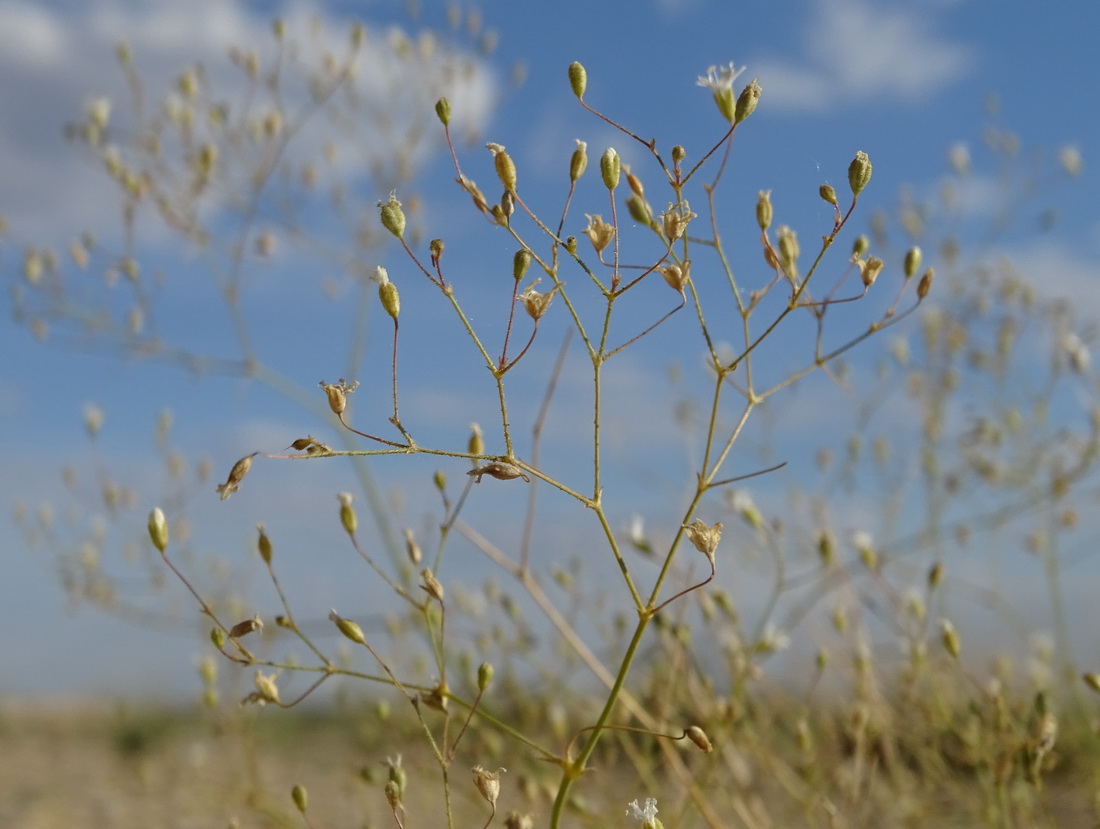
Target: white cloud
{"points": [[55, 56], [858, 50], [1057, 272]]}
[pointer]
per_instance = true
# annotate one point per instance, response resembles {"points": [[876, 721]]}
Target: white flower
{"points": [[720, 79], [1078, 353], [773, 639], [862, 540], [1070, 158], [646, 815]]}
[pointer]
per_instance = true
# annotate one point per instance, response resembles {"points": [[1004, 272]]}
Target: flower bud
{"points": [[263, 544], [520, 263], [788, 250], [764, 209], [639, 209], [347, 513], [99, 112], [747, 101], [217, 636], [436, 248], [912, 261], [32, 267], [579, 162], [347, 627], [440, 480], [393, 217], [505, 167], [391, 300], [412, 549], [935, 575], [578, 79], [396, 775], [859, 172], [865, 547], [484, 676], [571, 245], [828, 194], [476, 444], [158, 529], [610, 167], [207, 160], [950, 638], [300, 797], [393, 794], [678, 154], [860, 246], [443, 111]]}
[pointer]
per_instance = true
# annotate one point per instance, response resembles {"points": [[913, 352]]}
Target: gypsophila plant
{"points": [[594, 285], [621, 647]]}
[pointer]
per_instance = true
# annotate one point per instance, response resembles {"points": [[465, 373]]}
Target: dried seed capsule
{"points": [[699, 737], [500, 470], [246, 627], [337, 394], [236, 475]]}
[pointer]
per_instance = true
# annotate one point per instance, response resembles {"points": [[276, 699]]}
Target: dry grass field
{"points": [[72, 765]]}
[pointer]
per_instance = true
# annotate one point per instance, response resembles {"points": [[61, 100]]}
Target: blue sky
{"points": [[903, 81]]}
